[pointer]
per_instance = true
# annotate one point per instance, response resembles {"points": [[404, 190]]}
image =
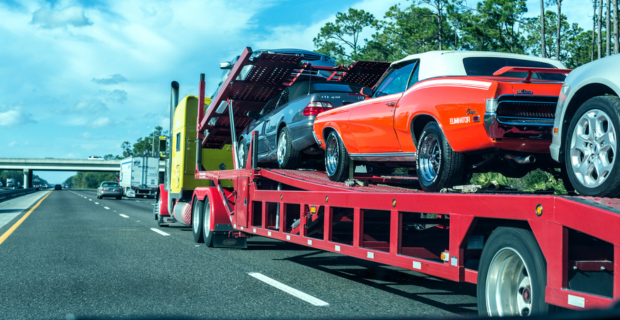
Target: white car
{"points": [[95, 158], [587, 122]]}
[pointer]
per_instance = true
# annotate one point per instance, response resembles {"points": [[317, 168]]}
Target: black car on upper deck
{"points": [[284, 125]]}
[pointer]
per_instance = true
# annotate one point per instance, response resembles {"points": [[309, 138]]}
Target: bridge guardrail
{"points": [[7, 194]]}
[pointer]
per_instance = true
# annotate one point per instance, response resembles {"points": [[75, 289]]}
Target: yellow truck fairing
{"points": [[184, 150]]}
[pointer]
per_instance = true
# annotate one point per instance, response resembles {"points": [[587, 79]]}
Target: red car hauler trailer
{"points": [[524, 251]]}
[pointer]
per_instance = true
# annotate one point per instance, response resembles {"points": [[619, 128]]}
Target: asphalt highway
{"points": [[78, 256]]}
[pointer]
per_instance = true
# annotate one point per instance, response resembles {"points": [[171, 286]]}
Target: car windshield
{"points": [[485, 66], [110, 184]]}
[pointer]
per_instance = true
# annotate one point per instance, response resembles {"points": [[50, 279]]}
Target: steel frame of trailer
{"points": [[549, 218]]}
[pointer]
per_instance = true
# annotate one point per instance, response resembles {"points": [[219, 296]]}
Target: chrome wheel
{"points": [[430, 157], [508, 286], [281, 147], [195, 218], [206, 220], [332, 154], [593, 148], [241, 154]]}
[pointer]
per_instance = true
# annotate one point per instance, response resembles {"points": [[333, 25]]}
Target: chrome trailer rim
{"points": [[430, 157], [593, 148], [281, 147], [206, 218], [331, 155], [195, 217], [508, 287]]}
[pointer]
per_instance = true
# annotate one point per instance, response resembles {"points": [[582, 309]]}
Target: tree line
{"points": [[492, 25], [18, 176]]}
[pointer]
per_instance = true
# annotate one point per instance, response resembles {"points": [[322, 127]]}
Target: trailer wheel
{"points": [[197, 220], [336, 158], [512, 276], [207, 234]]}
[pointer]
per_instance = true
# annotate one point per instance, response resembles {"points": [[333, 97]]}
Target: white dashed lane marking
{"points": [[106, 208], [292, 291], [124, 216], [159, 231]]}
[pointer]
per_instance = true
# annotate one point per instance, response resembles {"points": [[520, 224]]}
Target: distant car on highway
{"points": [[586, 128], [110, 189], [95, 158], [57, 187]]}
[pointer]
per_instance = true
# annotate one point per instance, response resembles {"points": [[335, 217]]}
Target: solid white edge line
{"points": [[292, 291], [160, 232], [124, 216]]}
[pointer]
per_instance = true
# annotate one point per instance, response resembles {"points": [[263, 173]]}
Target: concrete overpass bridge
{"points": [[28, 165]]}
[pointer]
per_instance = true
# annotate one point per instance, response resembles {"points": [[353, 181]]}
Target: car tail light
{"points": [[316, 107]]}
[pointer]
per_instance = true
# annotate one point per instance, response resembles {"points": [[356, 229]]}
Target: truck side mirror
{"points": [[366, 91], [254, 115], [163, 141]]}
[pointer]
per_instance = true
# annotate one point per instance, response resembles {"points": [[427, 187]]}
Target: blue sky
{"points": [[77, 77]]}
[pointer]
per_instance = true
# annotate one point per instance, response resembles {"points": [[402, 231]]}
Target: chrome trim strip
{"points": [[315, 139], [396, 156]]}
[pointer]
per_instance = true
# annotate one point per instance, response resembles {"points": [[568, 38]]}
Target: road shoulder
{"points": [[13, 208]]}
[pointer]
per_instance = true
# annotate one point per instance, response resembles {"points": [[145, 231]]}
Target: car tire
{"points": [[286, 155], [242, 153], [336, 158], [435, 174], [512, 275], [207, 233], [99, 197], [197, 220], [584, 159]]}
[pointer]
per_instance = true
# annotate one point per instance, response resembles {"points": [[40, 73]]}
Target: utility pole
{"points": [[608, 30], [599, 40], [153, 153], [559, 31], [616, 44], [543, 41], [593, 30]]}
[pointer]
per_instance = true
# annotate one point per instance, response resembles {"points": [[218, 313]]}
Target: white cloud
{"points": [[118, 96], [89, 106], [84, 135], [165, 123], [60, 18], [101, 123], [76, 121], [15, 117], [12, 143]]}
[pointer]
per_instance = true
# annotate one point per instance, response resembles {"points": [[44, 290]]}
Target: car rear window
{"points": [[335, 87], [485, 66], [110, 184]]}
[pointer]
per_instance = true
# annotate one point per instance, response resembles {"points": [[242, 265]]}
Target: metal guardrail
{"points": [[7, 194]]}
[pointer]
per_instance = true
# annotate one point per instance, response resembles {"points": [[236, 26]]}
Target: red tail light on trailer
{"points": [[316, 107]]}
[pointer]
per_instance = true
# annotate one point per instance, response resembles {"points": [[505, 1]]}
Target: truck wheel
{"points": [[288, 157], [336, 158], [591, 146], [160, 222], [197, 220], [512, 276], [438, 166], [207, 234]]}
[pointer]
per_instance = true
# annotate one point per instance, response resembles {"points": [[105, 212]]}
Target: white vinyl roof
{"points": [[450, 63]]}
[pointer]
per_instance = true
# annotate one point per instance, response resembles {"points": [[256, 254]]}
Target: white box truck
{"points": [[139, 176]]}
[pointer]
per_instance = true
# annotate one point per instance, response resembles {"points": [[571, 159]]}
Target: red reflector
{"points": [[316, 107]]}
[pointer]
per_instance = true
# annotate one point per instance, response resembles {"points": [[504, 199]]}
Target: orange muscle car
{"points": [[451, 113]]}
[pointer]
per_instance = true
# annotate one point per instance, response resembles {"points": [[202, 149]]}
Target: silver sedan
{"points": [[110, 189], [587, 123]]}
